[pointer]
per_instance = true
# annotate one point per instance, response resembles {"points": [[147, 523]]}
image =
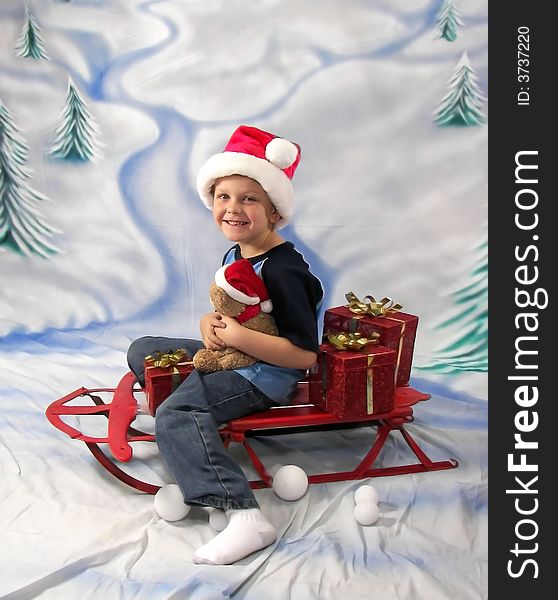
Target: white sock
{"points": [[248, 531]]}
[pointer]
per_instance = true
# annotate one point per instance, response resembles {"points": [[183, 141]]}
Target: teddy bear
{"points": [[237, 292]]}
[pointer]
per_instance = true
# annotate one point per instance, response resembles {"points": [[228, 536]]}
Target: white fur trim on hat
{"points": [[277, 185], [235, 294]]}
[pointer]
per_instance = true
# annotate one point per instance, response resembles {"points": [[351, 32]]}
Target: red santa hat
{"points": [[262, 156], [242, 283]]}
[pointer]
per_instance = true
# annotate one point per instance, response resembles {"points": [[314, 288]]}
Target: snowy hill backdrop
{"points": [[388, 201], [109, 107]]}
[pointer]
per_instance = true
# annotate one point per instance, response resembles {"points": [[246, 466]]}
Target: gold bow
{"points": [[165, 360], [352, 341], [375, 308]]}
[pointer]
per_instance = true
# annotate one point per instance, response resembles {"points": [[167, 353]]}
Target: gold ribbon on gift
{"points": [[370, 408], [352, 341], [375, 308], [369, 385], [384, 308], [343, 341], [166, 359]]}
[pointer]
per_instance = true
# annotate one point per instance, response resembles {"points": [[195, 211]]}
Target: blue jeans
{"points": [[186, 427]]}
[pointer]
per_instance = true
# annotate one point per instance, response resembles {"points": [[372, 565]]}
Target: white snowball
{"points": [[218, 519], [290, 482], [366, 492], [169, 503], [366, 513]]}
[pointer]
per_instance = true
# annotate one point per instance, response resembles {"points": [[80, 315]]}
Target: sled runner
{"points": [[298, 417]]}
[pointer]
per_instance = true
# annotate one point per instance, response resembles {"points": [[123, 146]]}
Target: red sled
{"points": [[298, 417]]}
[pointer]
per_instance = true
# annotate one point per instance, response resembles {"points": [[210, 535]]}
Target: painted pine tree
{"points": [[30, 44], [12, 136], [76, 136], [468, 350], [462, 105], [447, 22], [22, 226]]}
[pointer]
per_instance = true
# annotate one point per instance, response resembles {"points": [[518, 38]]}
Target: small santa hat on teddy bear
{"points": [[260, 155], [240, 281]]}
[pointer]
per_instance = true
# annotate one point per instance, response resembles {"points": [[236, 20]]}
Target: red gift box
{"points": [[163, 374], [397, 330], [353, 384]]}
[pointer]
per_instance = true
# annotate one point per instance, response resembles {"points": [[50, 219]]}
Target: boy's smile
{"points": [[235, 223], [245, 214]]}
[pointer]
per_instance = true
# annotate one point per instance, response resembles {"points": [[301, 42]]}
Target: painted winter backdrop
{"points": [[103, 131], [109, 107]]}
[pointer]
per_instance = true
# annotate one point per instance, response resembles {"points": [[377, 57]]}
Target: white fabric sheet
{"points": [[71, 530]]}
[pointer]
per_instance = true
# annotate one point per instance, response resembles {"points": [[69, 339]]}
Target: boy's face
{"points": [[242, 210]]}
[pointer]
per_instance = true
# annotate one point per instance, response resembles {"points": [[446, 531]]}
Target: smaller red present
{"points": [[397, 330], [353, 384], [163, 374]]}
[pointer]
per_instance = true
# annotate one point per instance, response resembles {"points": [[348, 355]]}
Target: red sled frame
{"points": [[299, 417]]}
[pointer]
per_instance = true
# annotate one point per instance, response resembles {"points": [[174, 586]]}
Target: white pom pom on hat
{"points": [[281, 152], [260, 155], [266, 306]]}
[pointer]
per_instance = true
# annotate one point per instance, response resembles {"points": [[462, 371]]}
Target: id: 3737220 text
{"points": [[523, 73]]}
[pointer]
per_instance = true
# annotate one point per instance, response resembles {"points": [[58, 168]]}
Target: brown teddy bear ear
{"points": [[223, 303]]}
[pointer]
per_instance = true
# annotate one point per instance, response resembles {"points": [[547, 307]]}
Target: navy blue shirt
{"points": [[296, 295]]}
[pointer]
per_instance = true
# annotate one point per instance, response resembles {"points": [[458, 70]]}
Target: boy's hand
{"points": [[233, 334], [208, 324], [272, 349]]}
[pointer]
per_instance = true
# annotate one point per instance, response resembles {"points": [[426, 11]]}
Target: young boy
{"points": [[248, 188]]}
